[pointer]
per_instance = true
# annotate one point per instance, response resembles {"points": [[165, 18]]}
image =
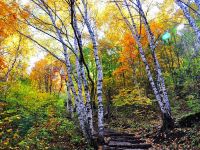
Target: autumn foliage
{"points": [[46, 102]]}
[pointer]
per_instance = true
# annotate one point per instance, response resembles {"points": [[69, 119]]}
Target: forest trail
{"points": [[122, 141]]}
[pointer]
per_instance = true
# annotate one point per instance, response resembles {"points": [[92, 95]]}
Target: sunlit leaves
{"points": [[2, 63], [48, 75], [131, 97], [8, 19]]}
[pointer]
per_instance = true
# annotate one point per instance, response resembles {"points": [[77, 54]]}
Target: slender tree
{"points": [[82, 74], [197, 3], [68, 102], [160, 80], [83, 81], [164, 107], [17, 53], [190, 19], [80, 106], [93, 38]]}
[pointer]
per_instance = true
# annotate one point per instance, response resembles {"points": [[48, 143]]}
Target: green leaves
{"points": [[34, 120]]}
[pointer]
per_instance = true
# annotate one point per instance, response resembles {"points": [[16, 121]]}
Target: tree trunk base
{"points": [[168, 123]]}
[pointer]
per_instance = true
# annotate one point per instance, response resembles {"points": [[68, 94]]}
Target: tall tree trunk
{"points": [[99, 72], [50, 81], [80, 62], [190, 19], [82, 77], [15, 60], [162, 104], [197, 3], [160, 80], [79, 103], [108, 103], [46, 83], [69, 105], [61, 85]]}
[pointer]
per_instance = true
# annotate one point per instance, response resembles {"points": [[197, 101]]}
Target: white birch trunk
{"points": [[80, 62], [69, 105], [135, 34], [82, 77], [99, 73], [160, 80], [191, 20], [79, 103], [197, 2]]}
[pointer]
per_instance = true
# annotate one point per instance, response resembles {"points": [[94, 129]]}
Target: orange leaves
{"points": [[24, 15], [2, 63], [157, 28], [8, 19], [129, 51], [128, 42], [120, 70], [9, 16], [129, 54], [49, 74]]}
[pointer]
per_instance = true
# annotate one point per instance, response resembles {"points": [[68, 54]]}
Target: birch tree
{"points": [[160, 80], [59, 36], [159, 91], [190, 19], [64, 34], [197, 3], [93, 38], [68, 102], [83, 81], [78, 98]]}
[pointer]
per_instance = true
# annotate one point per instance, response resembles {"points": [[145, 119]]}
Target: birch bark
{"points": [[197, 2], [82, 77], [190, 19], [135, 34], [80, 63], [79, 103], [99, 72], [69, 105], [160, 80]]}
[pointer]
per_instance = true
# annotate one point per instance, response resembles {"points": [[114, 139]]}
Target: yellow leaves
{"points": [[6, 142], [131, 96], [9, 16], [15, 136], [58, 23], [49, 71]]}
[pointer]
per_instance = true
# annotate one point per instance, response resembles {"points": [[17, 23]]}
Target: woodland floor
{"points": [[56, 132], [145, 122]]}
